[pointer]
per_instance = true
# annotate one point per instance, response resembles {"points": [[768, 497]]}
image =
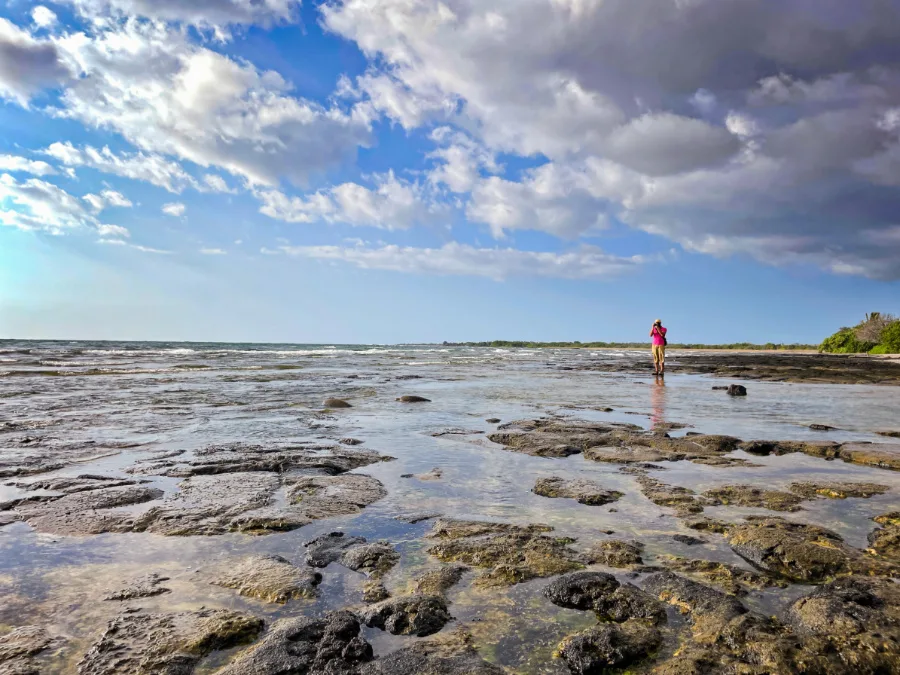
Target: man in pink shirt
{"points": [[658, 333]]}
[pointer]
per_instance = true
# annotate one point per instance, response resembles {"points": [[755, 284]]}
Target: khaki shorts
{"points": [[659, 353]]}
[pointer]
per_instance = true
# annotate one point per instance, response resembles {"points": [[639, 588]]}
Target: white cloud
{"points": [[392, 205], [462, 161], [34, 204], [213, 251], [27, 64], [22, 165], [166, 95], [106, 199], [110, 231], [175, 209], [151, 168], [201, 13], [43, 17], [136, 247], [216, 183], [586, 262]]}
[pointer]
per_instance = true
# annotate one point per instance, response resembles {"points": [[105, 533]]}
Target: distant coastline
{"points": [[738, 346]]}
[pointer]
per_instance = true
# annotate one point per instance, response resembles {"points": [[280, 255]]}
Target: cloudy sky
{"points": [[425, 170]]}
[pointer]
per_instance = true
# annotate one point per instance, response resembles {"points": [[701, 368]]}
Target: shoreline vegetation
{"points": [[877, 334]]}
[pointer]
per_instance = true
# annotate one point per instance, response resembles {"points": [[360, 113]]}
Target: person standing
{"points": [[658, 333]]}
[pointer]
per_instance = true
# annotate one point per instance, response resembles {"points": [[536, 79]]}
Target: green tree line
{"points": [[877, 334]]}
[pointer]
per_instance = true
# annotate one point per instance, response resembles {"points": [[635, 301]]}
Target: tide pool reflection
{"points": [[658, 403]]}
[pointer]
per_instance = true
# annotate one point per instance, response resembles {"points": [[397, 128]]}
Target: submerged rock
{"points": [[730, 578], [329, 645], [172, 644], [268, 577], [704, 524], [615, 553], [374, 591], [609, 646], [708, 608], [890, 433], [837, 490], [683, 500], [604, 595], [418, 615], [445, 654], [324, 550], [328, 496], [336, 403], [798, 551], [146, 586], [881, 455], [439, 581], [19, 647], [583, 491], [85, 513], [737, 390], [510, 554], [413, 399], [688, 540], [374, 560], [435, 474], [747, 495], [350, 441]]}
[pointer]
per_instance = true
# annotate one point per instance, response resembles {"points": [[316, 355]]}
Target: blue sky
{"points": [[411, 170]]}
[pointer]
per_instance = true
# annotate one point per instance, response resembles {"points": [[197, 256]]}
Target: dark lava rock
{"points": [[583, 491], [855, 619], [72, 484], [510, 554], [615, 553], [439, 581], [268, 577], [446, 654], [336, 403], [351, 441], [704, 524], [324, 550], [885, 543], [892, 518], [413, 399], [142, 587], [418, 615], [331, 645], [823, 449], [374, 560], [603, 594], [414, 518], [737, 390], [837, 490], [493, 420], [169, 644], [798, 551], [609, 646], [747, 495], [18, 648], [688, 540], [821, 427], [730, 578], [709, 609], [892, 433]]}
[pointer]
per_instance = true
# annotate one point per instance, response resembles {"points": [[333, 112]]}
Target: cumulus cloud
{"points": [[175, 209], [392, 204], [169, 96], [587, 262], [43, 17], [113, 231], [35, 204], [17, 164], [213, 251], [214, 183], [201, 13], [106, 199], [151, 168], [27, 64], [702, 121]]}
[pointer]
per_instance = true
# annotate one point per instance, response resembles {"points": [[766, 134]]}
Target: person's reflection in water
{"points": [[658, 403]]}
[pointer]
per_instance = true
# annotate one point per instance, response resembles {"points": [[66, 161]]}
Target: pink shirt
{"points": [[658, 333]]}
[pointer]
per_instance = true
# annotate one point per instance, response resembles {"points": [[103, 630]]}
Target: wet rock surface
{"points": [[372, 559], [413, 399], [609, 646], [748, 495], [683, 500], [604, 595], [19, 647], [267, 577], [146, 586], [583, 491], [509, 554], [445, 654], [331, 644], [170, 644], [615, 553], [329, 548], [729, 578], [439, 581], [799, 551], [838, 490], [418, 615]]}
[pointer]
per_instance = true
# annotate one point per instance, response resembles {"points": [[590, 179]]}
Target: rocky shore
{"points": [[657, 550]]}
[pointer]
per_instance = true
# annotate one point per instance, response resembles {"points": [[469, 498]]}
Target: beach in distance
{"points": [[239, 508]]}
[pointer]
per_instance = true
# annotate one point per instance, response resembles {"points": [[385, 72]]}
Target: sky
{"points": [[382, 171]]}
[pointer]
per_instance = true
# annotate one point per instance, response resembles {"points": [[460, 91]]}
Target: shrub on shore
{"points": [[877, 334]]}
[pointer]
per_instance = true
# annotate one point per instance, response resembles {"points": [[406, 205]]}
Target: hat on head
{"points": [[658, 321]]}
